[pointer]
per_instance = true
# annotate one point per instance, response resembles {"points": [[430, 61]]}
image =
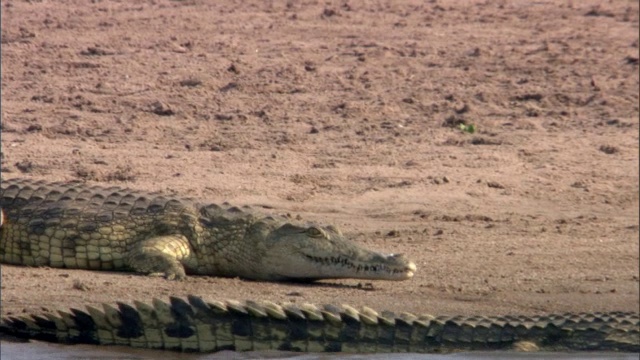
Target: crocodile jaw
{"points": [[367, 265]]}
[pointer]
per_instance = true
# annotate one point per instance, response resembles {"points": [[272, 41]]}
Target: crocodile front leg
{"points": [[160, 255]]}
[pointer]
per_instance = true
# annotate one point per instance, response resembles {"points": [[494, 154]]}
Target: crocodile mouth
{"points": [[378, 267], [394, 273]]}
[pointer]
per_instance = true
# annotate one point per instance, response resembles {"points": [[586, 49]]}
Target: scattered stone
{"points": [[608, 149], [393, 233], [84, 173], [495, 185], [474, 53], [122, 173], [79, 285], [462, 109], [34, 128], [25, 166], [327, 12], [479, 140], [631, 60], [161, 109], [596, 11], [223, 117], [96, 51], [228, 87], [530, 96], [453, 121], [43, 98], [190, 82], [233, 68]]}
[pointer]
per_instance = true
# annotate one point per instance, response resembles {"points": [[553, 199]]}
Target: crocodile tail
{"points": [[194, 325]]}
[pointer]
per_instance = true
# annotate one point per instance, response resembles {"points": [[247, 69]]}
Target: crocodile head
{"points": [[297, 253]]}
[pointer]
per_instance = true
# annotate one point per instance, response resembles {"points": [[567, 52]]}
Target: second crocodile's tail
{"points": [[198, 326]]}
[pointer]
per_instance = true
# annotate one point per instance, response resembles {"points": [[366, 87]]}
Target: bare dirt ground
{"points": [[348, 113]]}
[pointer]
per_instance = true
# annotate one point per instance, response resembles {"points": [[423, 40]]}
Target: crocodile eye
{"points": [[315, 232]]}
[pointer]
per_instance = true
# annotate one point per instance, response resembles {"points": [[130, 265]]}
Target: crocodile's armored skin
{"points": [[198, 326], [71, 225]]}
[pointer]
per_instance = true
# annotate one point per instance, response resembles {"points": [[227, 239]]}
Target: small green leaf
{"points": [[467, 128]]}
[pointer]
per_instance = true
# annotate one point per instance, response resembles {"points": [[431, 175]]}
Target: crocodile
{"points": [[78, 226], [196, 325]]}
